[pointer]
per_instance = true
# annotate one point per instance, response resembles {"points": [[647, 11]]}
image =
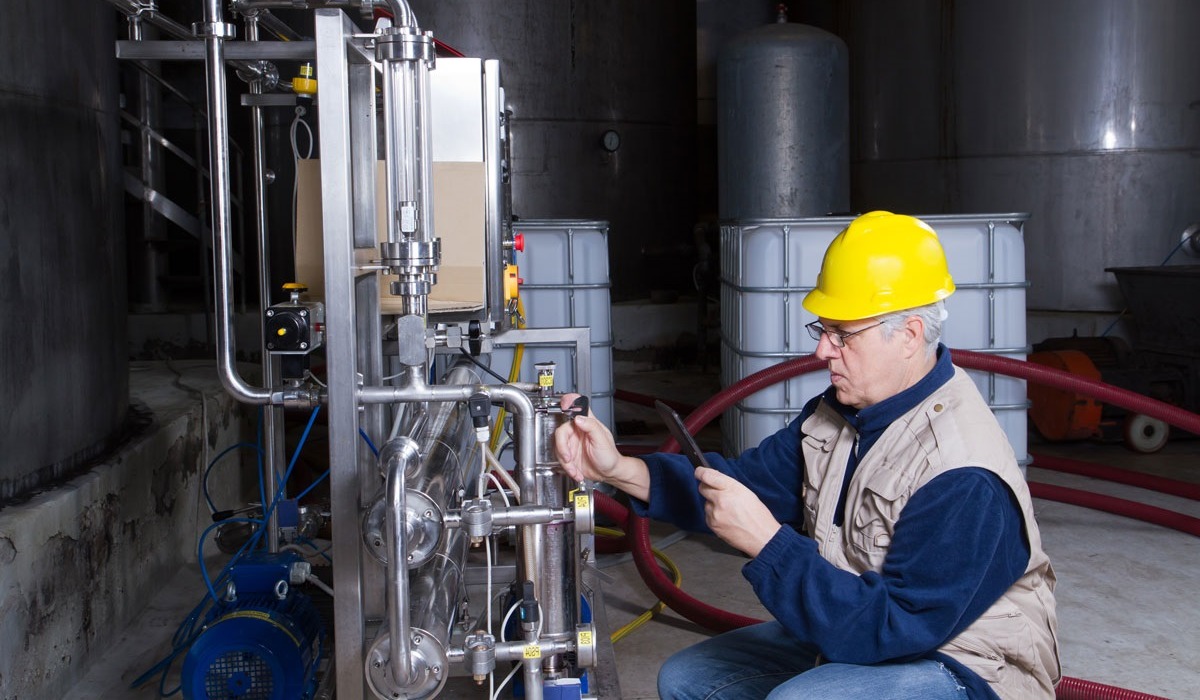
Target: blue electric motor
{"points": [[265, 644]]}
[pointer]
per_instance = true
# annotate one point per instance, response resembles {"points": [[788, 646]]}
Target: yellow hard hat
{"points": [[882, 262]]}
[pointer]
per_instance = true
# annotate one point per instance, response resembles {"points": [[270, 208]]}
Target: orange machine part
{"points": [[1062, 415]]}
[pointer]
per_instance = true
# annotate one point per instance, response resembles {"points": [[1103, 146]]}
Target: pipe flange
{"points": [[585, 645], [219, 30], [429, 665], [585, 512], [404, 44], [423, 527], [411, 253], [411, 288]]}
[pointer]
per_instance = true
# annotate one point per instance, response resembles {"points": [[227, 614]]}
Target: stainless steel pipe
{"points": [[214, 32], [148, 12], [436, 457], [436, 591], [514, 399], [402, 14], [449, 460], [398, 457], [272, 417]]}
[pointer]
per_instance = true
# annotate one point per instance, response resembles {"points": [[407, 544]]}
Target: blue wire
{"points": [[313, 485], [212, 591], [370, 444], [204, 482], [299, 446], [1175, 250], [254, 539], [325, 474], [186, 633], [310, 543]]}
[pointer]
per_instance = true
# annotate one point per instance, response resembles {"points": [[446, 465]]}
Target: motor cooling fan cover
{"points": [[254, 653]]}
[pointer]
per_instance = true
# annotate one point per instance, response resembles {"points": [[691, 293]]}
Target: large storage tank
{"points": [[64, 372], [783, 128], [1081, 112], [574, 72]]}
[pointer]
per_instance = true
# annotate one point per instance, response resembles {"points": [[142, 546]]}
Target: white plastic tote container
{"points": [[565, 268], [768, 265]]}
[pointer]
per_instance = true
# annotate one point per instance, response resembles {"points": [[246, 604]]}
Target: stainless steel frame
{"points": [[347, 127], [393, 625]]}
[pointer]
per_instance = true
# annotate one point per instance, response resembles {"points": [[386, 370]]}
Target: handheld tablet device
{"points": [[687, 444]]}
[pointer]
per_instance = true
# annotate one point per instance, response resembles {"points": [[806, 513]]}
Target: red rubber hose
{"points": [[608, 507], [1117, 506], [1058, 379], [703, 614], [720, 620], [715, 406], [1077, 689], [657, 581], [1183, 489], [647, 400]]}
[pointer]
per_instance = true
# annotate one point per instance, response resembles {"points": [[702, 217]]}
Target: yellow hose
{"points": [[646, 616], [514, 373]]}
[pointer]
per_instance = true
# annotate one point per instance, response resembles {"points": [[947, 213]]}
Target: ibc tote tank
{"points": [[783, 124]]}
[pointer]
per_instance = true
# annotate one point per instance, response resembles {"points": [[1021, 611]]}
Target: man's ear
{"points": [[914, 335]]}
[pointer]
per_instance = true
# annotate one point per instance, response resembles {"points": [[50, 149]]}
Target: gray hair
{"points": [[931, 314]]}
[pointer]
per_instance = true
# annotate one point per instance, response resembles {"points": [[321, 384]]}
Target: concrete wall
{"points": [[78, 562]]}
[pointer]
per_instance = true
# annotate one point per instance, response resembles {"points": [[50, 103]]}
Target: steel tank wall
{"points": [[1081, 112], [783, 138], [572, 71], [64, 371]]}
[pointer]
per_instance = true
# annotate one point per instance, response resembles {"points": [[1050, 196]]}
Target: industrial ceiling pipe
{"points": [[214, 32], [399, 8], [148, 12]]}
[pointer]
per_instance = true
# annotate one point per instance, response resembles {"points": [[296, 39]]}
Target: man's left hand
{"points": [[734, 513]]}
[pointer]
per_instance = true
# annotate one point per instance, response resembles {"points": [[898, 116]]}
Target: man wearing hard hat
{"points": [[890, 530]]}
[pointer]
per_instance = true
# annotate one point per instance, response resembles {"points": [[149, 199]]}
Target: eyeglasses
{"points": [[838, 338]]}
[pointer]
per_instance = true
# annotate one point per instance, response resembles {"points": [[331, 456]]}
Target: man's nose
{"points": [[825, 347]]}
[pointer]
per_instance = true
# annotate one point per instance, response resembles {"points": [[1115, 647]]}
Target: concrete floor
{"points": [[1126, 590]]}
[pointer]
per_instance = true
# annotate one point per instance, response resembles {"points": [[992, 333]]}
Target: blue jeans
{"points": [[764, 661]]}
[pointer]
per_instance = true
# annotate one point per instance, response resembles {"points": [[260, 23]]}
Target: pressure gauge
{"points": [[611, 141]]}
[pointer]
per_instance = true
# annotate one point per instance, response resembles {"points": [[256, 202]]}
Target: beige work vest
{"points": [[1012, 645]]}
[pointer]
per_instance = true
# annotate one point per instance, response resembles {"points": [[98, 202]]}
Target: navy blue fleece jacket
{"points": [[958, 546]]}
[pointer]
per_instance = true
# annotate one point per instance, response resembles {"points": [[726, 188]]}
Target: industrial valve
{"points": [[480, 654], [295, 326], [293, 329]]}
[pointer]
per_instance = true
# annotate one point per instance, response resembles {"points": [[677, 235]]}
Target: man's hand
{"points": [[586, 449], [734, 513]]}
